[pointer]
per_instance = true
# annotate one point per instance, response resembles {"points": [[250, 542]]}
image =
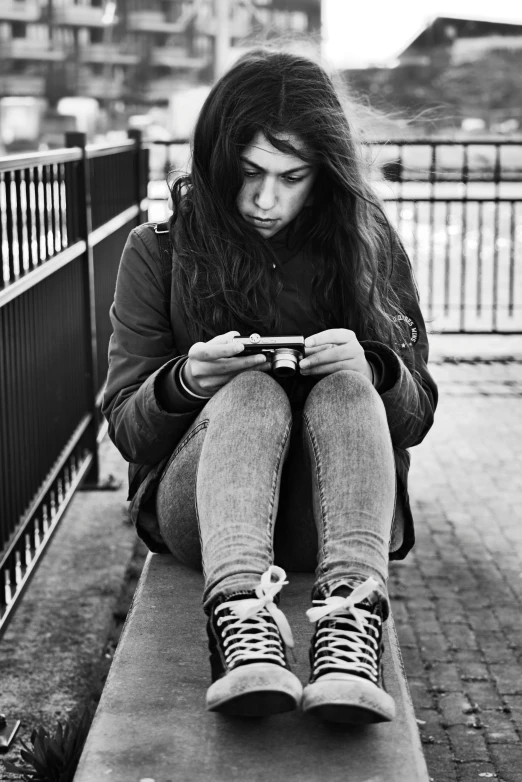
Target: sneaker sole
{"points": [[256, 690], [354, 701]]}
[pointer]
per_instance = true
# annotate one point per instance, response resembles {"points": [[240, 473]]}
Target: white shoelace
{"points": [[248, 634], [353, 649]]}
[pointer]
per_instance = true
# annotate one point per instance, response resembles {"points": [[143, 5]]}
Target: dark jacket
{"points": [[150, 339]]}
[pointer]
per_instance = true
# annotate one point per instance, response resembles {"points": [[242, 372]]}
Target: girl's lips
{"points": [[261, 220]]}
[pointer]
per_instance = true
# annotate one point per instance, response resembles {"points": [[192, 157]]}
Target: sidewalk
{"points": [[456, 598]]}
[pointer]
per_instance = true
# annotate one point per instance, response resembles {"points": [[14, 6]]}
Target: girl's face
{"points": [[276, 184]]}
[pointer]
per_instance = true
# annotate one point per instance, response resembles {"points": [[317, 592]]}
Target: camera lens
{"points": [[285, 362]]}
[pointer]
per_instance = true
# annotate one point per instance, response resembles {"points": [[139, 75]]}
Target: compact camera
{"points": [[283, 352]]}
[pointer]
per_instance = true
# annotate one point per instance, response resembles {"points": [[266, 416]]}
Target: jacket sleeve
{"points": [[409, 392], [142, 357]]}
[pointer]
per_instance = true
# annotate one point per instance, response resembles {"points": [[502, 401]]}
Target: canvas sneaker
{"points": [[248, 634], [346, 683]]}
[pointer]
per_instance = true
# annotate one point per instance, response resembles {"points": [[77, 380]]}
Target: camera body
{"points": [[283, 352]]}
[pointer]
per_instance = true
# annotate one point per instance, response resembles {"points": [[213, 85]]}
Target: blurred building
{"points": [[131, 51], [458, 40], [453, 74]]}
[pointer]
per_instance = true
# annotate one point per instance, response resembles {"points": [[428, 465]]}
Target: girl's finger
{"points": [[227, 366], [318, 348], [212, 351], [228, 337], [329, 355], [336, 336], [329, 369]]}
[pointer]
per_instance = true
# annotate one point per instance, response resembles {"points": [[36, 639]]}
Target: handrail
{"points": [[31, 159], [100, 150]]}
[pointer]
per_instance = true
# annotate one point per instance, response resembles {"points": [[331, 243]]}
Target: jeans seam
{"points": [[182, 444], [318, 473], [270, 526], [202, 425]]}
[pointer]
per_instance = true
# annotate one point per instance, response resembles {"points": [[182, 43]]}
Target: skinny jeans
{"points": [[252, 483]]}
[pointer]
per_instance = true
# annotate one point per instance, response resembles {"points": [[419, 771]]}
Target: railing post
{"points": [[142, 171], [84, 223]]}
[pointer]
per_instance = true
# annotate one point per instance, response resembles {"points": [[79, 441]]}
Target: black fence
{"points": [[64, 218], [458, 208]]}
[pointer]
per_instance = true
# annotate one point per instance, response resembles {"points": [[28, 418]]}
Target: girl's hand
{"points": [[333, 350], [210, 365]]}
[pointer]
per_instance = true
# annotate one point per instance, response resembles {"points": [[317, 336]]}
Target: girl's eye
{"points": [[250, 173], [294, 178]]}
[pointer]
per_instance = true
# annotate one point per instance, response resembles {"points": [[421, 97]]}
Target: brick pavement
{"points": [[457, 597]]}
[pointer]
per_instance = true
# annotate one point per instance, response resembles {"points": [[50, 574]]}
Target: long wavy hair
{"points": [[223, 268]]}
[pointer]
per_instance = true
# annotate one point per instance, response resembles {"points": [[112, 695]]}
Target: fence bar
{"points": [[83, 207]]}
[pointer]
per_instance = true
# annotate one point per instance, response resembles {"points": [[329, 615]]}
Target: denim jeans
{"points": [[251, 479]]}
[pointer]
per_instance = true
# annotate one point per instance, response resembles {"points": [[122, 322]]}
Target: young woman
{"points": [[276, 231]]}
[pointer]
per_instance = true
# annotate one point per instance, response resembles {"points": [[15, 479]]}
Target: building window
{"points": [[19, 30]]}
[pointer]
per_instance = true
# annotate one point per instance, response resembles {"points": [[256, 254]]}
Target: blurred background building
{"points": [[128, 55], [101, 66]]}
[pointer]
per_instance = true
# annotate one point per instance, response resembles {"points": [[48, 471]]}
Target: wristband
{"points": [[188, 390]]}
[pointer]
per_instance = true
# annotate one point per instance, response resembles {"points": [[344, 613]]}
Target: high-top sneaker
{"points": [[346, 679], [247, 638]]}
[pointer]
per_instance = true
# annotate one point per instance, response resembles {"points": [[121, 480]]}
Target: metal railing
{"points": [[64, 218], [458, 208]]}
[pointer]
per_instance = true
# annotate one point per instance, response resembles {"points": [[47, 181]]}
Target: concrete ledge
{"points": [[151, 722]]}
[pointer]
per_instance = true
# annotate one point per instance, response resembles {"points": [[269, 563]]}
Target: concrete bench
{"points": [[151, 723]]}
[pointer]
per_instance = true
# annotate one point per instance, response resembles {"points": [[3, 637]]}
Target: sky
{"points": [[361, 32]]}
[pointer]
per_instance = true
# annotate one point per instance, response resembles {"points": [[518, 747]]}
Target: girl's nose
{"points": [[265, 197]]}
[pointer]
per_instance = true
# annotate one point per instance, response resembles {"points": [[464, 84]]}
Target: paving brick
{"points": [[426, 622], [499, 727], [436, 648], [431, 728], [441, 767], [483, 621], [460, 636], [507, 617], [474, 671], [421, 695], [508, 678], [441, 588], [508, 762], [467, 657], [400, 612], [445, 677], [405, 635], [476, 772], [484, 694], [413, 663], [514, 704], [455, 707], [468, 744], [451, 611]]}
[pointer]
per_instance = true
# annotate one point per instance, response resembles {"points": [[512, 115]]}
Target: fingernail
{"points": [[304, 364], [309, 342]]}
